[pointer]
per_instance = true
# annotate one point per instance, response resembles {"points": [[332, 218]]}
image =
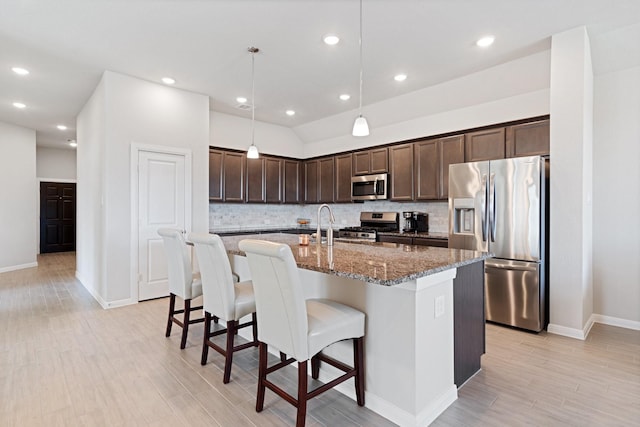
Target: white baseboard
{"points": [[18, 267], [580, 334], [616, 321], [104, 304]]}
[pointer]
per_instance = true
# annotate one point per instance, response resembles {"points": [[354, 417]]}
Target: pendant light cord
{"points": [[253, 96], [360, 103]]}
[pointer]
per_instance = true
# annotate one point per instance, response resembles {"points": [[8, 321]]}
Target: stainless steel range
{"points": [[370, 224]]}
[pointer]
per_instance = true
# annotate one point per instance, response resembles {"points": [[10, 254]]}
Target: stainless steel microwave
{"points": [[369, 187]]}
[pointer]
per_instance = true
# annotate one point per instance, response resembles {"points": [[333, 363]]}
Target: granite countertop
{"points": [[267, 230], [385, 264], [426, 235]]}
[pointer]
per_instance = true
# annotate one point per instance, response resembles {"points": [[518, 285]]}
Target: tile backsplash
{"points": [[231, 216]]}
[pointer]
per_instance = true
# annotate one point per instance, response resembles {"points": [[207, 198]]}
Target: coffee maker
{"points": [[409, 222]]}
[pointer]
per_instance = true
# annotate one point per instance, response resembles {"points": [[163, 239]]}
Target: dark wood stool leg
{"points": [[215, 319], [228, 357], [315, 367], [185, 326], [254, 327], [172, 308], [262, 375], [302, 394], [358, 361], [283, 357], [205, 346]]}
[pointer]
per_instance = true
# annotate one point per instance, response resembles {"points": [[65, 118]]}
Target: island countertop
{"points": [[381, 263]]}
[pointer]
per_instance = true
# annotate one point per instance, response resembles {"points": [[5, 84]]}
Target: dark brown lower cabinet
{"points": [[468, 321], [396, 239]]}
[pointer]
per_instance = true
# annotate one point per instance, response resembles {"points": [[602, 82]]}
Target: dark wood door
{"points": [[401, 172], [426, 159], [326, 179], [273, 180], [485, 145], [343, 178], [528, 139], [57, 217], [311, 181], [451, 152], [255, 180], [233, 177], [292, 181]]}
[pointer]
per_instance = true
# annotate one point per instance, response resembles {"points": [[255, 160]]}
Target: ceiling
{"points": [[66, 45]]}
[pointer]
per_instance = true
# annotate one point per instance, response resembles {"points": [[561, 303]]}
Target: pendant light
{"points": [[360, 126], [252, 152]]}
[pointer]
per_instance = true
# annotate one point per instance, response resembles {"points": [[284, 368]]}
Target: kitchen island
{"points": [[407, 294]]}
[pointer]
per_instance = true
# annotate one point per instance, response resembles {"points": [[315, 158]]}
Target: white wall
{"points": [[19, 195], [136, 111], [235, 132], [616, 196], [571, 104], [55, 163]]}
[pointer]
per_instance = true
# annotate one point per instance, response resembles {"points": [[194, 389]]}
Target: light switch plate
{"points": [[439, 306]]}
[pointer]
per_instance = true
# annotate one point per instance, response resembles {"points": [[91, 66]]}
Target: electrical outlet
{"points": [[439, 306]]}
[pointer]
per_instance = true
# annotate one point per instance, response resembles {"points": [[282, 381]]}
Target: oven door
{"points": [[369, 187]]}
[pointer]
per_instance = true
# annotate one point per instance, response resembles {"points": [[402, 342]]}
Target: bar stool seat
{"points": [[297, 327]]}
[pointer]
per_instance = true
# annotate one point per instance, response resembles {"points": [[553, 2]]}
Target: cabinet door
{"points": [[255, 180], [343, 178], [485, 145], [326, 180], [379, 160], [215, 175], [401, 172], [528, 139], [451, 152], [292, 181], [426, 163], [426, 241], [273, 180], [233, 177], [396, 239], [361, 162], [311, 181]]}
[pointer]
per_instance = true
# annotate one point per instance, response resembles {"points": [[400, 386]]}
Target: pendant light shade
{"points": [[360, 126], [252, 151]]}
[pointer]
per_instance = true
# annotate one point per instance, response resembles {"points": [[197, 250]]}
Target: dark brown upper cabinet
{"points": [[233, 166], [371, 161], [401, 172], [528, 139], [292, 181], [451, 151], [326, 179], [427, 169], [215, 175], [486, 144], [311, 181], [343, 178], [273, 180], [255, 180]]}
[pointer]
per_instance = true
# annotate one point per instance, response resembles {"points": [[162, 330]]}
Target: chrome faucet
{"points": [[329, 230]]}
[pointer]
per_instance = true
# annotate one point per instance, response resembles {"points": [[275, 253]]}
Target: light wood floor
{"points": [[64, 361]]}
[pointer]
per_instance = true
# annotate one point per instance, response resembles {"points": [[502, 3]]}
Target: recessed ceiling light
{"points": [[72, 142], [400, 77], [290, 113], [485, 41], [19, 105], [168, 81], [331, 39], [62, 127], [345, 97], [20, 71], [241, 99]]}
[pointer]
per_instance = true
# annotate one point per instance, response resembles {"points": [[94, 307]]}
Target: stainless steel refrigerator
{"points": [[500, 206]]}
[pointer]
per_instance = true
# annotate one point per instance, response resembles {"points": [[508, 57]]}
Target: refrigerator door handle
{"points": [[492, 206], [483, 205]]}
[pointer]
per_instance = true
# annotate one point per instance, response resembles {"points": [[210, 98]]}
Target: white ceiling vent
{"points": [[246, 107]]}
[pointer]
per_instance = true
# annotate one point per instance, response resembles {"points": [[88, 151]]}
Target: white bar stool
{"points": [[222, 298], [297, 327]]}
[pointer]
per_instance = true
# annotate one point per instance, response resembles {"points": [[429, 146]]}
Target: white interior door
{"points": [[162, 188]]}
